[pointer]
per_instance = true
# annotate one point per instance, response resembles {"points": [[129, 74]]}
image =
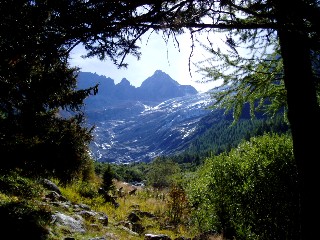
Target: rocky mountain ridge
{"points": [[135, 132], [135, 128], [157, 88]]}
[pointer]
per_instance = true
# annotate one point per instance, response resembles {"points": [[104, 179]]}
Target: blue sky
{"points": [[156, 55]]}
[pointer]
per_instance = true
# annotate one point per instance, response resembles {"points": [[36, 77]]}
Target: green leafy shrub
{"points": [[162, 173], [22, 217], [87, 189], [251, 192], [16, 185]]}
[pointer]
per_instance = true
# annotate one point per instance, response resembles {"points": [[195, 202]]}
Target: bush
{"points": [[21, 220], [58, 149], [249, 193], [177, 205], [22, 217], [162, 173], [14, 184]]}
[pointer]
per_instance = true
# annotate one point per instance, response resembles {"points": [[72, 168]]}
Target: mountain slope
{"points": [[160, 118], [136, 124], [133, 131]]}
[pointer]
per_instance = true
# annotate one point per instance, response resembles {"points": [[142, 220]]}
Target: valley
{"points": [[136, 128]]}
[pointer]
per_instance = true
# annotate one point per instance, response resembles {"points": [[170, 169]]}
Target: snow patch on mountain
{"points": [[125, 135]]}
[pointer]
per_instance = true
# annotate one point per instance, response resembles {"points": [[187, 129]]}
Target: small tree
{"points": [[107, 179], [177, 205]]}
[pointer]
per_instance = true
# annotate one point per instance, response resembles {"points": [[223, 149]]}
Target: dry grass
{"points": [[144, 199]]}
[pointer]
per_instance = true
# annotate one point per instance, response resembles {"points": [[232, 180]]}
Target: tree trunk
{"points": [[304, 118]]}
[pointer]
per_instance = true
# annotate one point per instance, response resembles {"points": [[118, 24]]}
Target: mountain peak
{"points": [[158, 72], [158, 87], [159, 79], [124, 82], [161, 86]]}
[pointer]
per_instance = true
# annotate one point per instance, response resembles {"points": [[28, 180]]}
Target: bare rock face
{"points": [[74, 219], [75, 223], [51, 186]]}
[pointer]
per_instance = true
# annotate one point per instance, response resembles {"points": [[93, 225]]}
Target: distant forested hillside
{"points": [[222, 135], [219, 135]]}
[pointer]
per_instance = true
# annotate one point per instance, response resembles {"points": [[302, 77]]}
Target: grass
{"points": [[22, 206], [145, 200]]}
